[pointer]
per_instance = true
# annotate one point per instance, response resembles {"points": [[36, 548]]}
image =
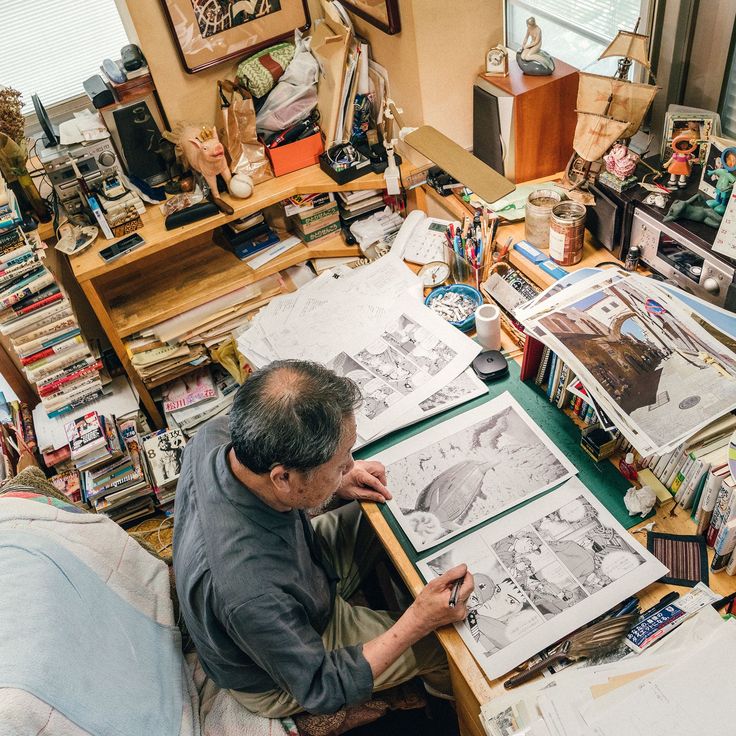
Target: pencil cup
{"points": [[488, 326], [461, 270]]}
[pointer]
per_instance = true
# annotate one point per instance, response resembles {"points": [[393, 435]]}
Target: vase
{"points": [[29, 198]]}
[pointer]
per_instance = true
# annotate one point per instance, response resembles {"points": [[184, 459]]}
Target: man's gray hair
{"points": [[291, 413]]}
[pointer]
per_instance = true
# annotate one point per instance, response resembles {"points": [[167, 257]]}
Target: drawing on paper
{"points": [[666, 373], [540, 573], [377, 395], [460, 389], [391, 366], [417, 343], [496, 458]]}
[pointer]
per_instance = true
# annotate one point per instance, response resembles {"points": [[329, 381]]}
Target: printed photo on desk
{"points": [[541, 572], [659, 370], [470, 468]]}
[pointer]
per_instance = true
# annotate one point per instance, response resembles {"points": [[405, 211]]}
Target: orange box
{"points": [[297, 155]]}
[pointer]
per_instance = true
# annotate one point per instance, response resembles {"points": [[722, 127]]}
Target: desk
{"points": [[177, 270], [470, 684]]}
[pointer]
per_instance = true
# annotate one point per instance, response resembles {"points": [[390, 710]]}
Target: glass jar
{"points": [[567, 233], [539, 206]]}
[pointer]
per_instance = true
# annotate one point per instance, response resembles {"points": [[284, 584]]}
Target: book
{"points": [[54, 350], [188, 390], [68, 483], [85, 434], [163, 450], [28, 286], [720, 511], [51, 387], [75, 404]]}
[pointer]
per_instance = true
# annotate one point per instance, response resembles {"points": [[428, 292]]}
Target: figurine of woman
{"points": [[530, 57], [679, 165], [724, 178]]}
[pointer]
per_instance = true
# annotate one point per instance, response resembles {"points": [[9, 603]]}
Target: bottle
{"points": [[632, 258], [627, 468]]}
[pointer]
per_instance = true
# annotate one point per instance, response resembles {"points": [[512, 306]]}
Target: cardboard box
{"points": [[296, 155]]}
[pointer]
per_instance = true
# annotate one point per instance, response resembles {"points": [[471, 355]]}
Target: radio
{"points": [[687, 262], [95, 160]]}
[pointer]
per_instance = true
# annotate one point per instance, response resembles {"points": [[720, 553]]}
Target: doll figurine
{"points": [[724, 178], [530, 57], [679, 165]]}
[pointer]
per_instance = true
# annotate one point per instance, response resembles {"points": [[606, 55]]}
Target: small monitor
{"points": [[51, 132]]}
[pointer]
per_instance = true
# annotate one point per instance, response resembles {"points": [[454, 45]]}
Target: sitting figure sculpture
{"points": [[530, 57]]}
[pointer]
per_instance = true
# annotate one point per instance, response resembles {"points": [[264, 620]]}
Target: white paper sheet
{"points": [[470, 468], [541, 572]]}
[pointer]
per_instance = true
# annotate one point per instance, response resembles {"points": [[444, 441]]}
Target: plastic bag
{"points": [[295, 96], [236, 127]]}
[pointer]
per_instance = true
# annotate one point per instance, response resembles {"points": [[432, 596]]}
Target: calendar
{"points": [[725, 241]]}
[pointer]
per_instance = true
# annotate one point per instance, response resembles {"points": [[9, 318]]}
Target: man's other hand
{"points": [[365, 482]]}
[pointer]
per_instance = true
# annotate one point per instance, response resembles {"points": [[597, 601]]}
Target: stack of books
{"points": [[353, 205], [43, 330], [191, 401], [164, 450], [107, 457], [10, 215], [16, 435]]}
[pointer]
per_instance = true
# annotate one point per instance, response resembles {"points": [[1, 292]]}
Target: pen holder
{"points": [[462, 271]]}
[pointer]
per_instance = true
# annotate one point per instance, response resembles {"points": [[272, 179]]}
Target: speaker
{"points": [[487, 129], [100, 94]]}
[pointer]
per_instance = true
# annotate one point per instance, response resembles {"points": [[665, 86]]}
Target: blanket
{"points": [[143, 582]]}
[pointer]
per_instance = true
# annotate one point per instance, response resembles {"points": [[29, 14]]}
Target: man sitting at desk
{"points": [[261, 588]]}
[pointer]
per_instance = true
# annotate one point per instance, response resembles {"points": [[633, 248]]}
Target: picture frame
{"points": [[714, 151], [207, 33], [702, 124], [383, 14]]}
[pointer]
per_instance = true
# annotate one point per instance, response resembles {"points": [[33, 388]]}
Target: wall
{"points": [[431, 63]]}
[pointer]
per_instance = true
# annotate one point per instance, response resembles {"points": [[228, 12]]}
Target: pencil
{"points": [[455, 591]]}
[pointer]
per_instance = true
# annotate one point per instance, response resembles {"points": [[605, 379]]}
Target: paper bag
{"points": [[236, 126], [330, 45]]}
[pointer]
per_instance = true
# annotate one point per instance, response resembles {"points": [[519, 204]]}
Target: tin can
{"points": [[567, 233], [539, 206]]}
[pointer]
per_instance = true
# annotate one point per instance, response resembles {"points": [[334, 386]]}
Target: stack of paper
{"points": [[370, 324], [658, 368], [682, 685], [168, 347]]}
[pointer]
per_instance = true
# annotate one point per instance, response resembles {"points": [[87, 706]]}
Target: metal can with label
{"points": [[567, 233]]}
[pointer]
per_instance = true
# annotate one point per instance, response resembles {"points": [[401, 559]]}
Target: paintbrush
{"points": [[594, 641]]}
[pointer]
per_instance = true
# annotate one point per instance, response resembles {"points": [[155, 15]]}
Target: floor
{"points": [[439, 719]]}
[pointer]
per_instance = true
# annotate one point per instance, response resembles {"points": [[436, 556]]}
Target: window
{"points": [[576, 31], [728, 106], [50, 48]]}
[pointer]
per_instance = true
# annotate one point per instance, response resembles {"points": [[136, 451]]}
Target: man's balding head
{"points": [[290, 413]]}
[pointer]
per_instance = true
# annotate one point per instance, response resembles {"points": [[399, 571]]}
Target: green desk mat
{"points": [[603, 480]]}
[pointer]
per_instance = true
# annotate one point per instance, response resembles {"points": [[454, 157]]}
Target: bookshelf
{"points": [[177, 270]]}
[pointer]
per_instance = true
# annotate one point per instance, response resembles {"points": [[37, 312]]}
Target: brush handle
{"points": [[532, 672]]}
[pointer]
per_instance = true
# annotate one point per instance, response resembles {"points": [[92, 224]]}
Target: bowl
{"points": [[465, 290]]}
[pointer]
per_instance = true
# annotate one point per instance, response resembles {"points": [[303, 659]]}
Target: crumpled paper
{"points": [[640, 500]]}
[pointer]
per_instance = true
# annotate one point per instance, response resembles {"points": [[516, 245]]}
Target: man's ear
{"points": [[280, 478]]}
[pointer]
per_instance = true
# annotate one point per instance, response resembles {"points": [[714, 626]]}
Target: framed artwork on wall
{"points": [[209, 32], [383, 14]]}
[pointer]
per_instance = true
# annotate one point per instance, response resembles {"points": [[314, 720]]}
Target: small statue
{"points": [[620, 161], [530, 57], [680, 163], [724, 178], [205, 154], [693, 209]]}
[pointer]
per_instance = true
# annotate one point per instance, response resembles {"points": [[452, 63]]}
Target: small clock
{"points": [[434, 273]]}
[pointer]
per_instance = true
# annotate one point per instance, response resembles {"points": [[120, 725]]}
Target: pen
{"points": [[664, 601], [628, 607], [727, 601], [455, 590]]}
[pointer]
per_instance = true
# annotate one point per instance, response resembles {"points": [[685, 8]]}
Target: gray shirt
{"points": [[254, 589]]}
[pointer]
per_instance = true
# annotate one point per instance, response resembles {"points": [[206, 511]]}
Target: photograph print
{"points": [[468, 469], [659, 367]]}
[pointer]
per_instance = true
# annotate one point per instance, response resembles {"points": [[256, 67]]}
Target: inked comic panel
{"points": [[377, 395], [454, 393], [473, 474], [392, 367], [594, 553], [538, 572], [498, 611], [667, 375], [419, 344]]}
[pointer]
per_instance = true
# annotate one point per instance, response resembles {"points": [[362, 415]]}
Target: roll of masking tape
{"points": [[488, 326]]}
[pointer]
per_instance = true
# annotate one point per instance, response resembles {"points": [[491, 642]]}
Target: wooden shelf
{"points": [[196, 275], [89, 265]]}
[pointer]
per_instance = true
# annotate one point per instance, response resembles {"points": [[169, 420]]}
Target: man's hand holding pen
{"points": [[443, 600]]}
